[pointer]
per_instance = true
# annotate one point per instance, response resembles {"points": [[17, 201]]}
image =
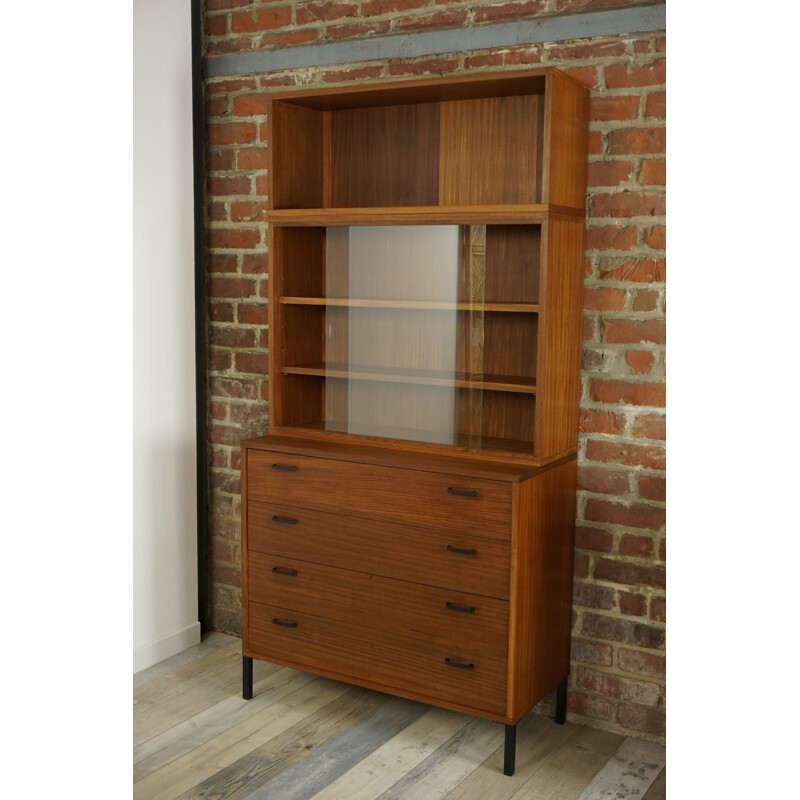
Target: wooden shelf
{"points": [[421, 215], [419, 305], [492, 383], [461, 441]]}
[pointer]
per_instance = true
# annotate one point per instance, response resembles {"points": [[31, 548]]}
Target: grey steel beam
{"points": [[611, 22]]}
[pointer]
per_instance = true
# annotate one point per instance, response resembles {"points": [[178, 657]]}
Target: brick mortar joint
{"points": [[648, 591], [618, 616], [638, 122], [629, 316], [645, 472], [599, 283], [638, 472], [608, 283], [639, 220], [622, 440], [629, 409], [635, 379], [617, 671], [627, 499], [623, 158]]}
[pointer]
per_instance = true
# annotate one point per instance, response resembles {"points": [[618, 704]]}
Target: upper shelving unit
{"points": [[426, 263], [507, 141]]}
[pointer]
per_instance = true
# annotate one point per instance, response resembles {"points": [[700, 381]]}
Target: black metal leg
{"points": [[561, 702], [247, 677], [510, 750]]}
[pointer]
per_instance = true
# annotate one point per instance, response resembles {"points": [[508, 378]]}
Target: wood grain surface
{"points": [[371, 601], [418, 668], [473, 563], [408, 496]]}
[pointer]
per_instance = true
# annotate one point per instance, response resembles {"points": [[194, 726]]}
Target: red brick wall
{"points": [[618, 647], [236, 26]]}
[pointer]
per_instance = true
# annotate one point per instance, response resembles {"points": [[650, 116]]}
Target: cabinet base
{"points": [[509, 746], [510, 750], [561, 702], [247, 678]]}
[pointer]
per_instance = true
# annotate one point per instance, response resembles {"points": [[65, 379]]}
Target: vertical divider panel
{"points": [[327, 133], [274, 320]]}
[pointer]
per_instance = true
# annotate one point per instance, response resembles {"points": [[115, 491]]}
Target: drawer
{"points": [[429, 499], [371, 601], [449, 559], [427, 669]]}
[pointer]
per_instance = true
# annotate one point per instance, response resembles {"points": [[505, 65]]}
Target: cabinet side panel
{"points": [[560, 327], [541, 585], [275, 319], [566, 143], [489, 151], [296, 156], [245, 544]]}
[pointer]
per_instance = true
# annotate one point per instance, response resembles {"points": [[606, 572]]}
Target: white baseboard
{"points": [[151, 653]]}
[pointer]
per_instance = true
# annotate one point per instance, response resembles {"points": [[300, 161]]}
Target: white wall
{"points": [[165, 615]]}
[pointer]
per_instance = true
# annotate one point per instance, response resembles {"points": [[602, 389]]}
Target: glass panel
{"points": [[404, 332]]}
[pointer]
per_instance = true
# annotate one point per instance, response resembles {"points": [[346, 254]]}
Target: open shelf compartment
{"points": [[431, 144], [422, 322]]}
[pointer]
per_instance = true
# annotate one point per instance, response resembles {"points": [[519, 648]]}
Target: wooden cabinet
{"points": [[407, 524], [424, 580]]}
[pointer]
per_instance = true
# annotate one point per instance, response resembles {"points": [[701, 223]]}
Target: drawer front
{"points": [[429, 499], [426, 668], [449, 559], [358, 598]]}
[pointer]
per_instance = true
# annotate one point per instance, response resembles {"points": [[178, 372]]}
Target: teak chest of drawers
{"points": [[443, 580]]}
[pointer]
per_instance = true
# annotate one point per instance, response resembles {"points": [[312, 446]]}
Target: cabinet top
{"points": [[431, 90], [388, 456]]}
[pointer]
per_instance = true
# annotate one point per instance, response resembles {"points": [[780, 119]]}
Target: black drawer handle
{"points": [[284, 571], [284, 468], [462, 550], [285, 623], [462, 492], [284, 520], [462, 609], [458, 664]]}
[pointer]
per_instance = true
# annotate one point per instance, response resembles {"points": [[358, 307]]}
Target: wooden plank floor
{"points": [[304, 737]]}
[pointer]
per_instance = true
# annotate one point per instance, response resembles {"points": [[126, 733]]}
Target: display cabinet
{"points": [[407, 524]]}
